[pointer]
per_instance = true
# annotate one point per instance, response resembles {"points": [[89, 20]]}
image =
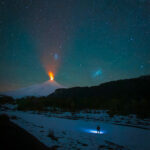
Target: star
{"points": [[131, 39], [141, 66]]}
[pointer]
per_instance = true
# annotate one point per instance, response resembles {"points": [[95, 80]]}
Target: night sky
{"points": [[84, 42]]}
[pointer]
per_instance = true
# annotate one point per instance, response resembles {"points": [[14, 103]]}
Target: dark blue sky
{"points": [[84, 42]]}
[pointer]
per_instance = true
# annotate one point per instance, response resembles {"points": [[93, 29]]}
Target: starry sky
{"points": [[83, 42]]}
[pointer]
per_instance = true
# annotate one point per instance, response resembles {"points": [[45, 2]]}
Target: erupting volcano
{"points": [[43, 89], [51, 76]]}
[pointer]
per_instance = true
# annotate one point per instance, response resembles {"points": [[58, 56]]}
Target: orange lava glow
{"points": [[51, 76]]}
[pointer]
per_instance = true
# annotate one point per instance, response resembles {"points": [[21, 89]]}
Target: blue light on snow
{"points": [[94, 131]]}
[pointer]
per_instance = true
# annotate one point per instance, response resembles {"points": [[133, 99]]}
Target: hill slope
{"points": [[129, 96], [119, 97], [128, 88]]}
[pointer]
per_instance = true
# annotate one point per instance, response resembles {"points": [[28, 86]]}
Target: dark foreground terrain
{"points": [[12, 137], [122, 97]]}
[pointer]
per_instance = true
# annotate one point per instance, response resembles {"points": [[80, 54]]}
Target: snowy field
{"points": [[66, 131]]}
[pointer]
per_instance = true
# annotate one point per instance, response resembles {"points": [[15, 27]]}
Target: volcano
{"points": [[43, 89]]}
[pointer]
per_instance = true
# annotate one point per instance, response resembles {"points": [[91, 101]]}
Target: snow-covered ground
{"points": [[81, 134], [103, 116]]}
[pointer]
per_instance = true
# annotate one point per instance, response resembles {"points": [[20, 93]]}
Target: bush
{"points": [[6, 99], [4, 118], [116, 106], [52, 136]]}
